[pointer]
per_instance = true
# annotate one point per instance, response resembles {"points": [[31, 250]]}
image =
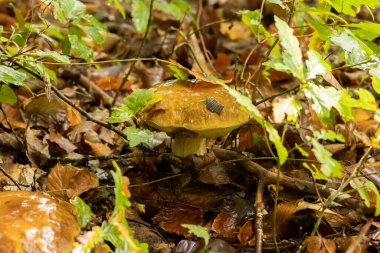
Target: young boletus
{"points": [[191, 112], [34, 222]]}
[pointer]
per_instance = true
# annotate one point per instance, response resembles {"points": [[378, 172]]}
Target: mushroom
{"points": [[35, 222], [191, 112]]}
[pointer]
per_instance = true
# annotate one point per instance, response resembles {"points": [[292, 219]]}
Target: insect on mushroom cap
{"points": [[192, 109]]}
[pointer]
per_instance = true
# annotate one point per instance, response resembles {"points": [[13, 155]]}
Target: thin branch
{"points": [[76, 107], [126, 76], [10, 178]]}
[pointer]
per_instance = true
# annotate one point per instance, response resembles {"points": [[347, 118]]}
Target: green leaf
{"points": [[53, 55], [367, 30], [121, 200], [280, 3], [329, 166], [375, 72], [120, 114], [292, 55], [376, 84], [323, 100], [177, 9], [83, 211], [355, 51], [289, 106], [302, 151], [328, 135], [349, 6], [40, 68], [119, 6], [68, 9], [179, 73], [66, 45], [140, 14], [198, 231], [80, 47], [136, 135], [11, 76], [321, 28], [316, 65], [371, 186], [7, 95], [139, 99], [92, 28], [362, 192], [274, 137]]}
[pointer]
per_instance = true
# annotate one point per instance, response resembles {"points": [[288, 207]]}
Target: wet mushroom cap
{"points": [[35, 222], [195, 109]]}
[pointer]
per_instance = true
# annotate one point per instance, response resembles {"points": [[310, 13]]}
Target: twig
{"points": [[65, 160], [80, 110], [277, 94], [20, 142], [260, 208], [10, 178], [294, 183], [138, 55], [361, 236], [88, 84]]}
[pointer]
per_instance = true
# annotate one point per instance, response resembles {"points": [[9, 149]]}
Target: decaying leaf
{"points": [[61, 141], [47, 111], [67, 182], [170, 218], [225, 224], [317, 244]]}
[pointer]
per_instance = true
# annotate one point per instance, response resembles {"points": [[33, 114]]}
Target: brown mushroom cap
{"points": [[35, 222], [183, 110]]}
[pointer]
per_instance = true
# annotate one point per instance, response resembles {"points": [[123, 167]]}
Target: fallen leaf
{"points": [[235, 30], [225, 224], [67, 182], [61, 141], [99, 149], [36, 146], [317, 244], [171, 217], [47, 111]]}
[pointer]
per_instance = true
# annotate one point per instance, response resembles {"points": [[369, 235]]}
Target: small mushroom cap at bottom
{"points": [[35, 222], [195, 109]]}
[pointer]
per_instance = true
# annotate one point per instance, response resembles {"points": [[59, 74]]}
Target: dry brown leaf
{"points": [[35, 222], [110, 83], [317, 244], [344, 244], [171, 217], [246, 233], [14, 117], [36, 146], [330, 78], [222, 62], [23, 174], [99, 149], [73, 116], [67, 182], [215, 173], [61, 141], [46, 111], [235, 30], [225, 224]]}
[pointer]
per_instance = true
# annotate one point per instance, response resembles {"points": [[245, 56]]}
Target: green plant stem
{"points": [[277, 95], [126, 76], [333, 196]]}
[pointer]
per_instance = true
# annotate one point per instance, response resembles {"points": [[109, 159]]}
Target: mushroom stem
{"points": [[183, 147]]}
